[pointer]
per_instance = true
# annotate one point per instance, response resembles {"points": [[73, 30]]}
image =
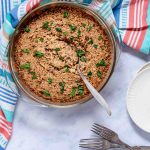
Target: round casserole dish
{"points": [[12, 64]]}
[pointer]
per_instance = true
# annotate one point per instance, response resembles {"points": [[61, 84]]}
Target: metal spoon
{"points": [[94, 92]]}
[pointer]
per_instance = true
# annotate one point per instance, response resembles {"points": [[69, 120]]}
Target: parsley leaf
{"points": [[46, 93], [66, 68], [80, 53], [83, 24], [72, 94], [49, 80], [58, 29], [27, 29], [90, 41], [101, 63], [80, 90], [83, 59], [65, 33], [45, 25], [33, 75], [57, 50], [25, 66], [79, 33], [71, 38], [72, 27], [38, 54], [99, 74], [89, 28], [100, 37], [26, 50], [62, 87], [66, 15], [89, 74], [95, 46]]}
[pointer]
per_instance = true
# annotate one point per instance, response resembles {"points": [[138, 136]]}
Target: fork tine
{"points": [[91, 140], [102, 128], [93, 143], [96, 132], [97, 147], [103, 131], [105, 135]]}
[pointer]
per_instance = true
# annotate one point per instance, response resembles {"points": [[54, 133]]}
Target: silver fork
{"points": [[97, 144], [110, 136], [102, 144]]}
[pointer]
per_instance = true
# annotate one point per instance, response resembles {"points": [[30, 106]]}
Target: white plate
{"points": [[145, 66], [138, 100]]}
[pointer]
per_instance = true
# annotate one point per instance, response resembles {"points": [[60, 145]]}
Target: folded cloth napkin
{"points": [[128, 19]]}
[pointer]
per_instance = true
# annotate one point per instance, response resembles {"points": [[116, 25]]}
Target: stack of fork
{"points": [[107, 139]]}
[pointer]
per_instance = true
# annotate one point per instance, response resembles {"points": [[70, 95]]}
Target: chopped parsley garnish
{"points": [[33, 75], [27, 29], [83, 59], [100, 37], [58, 29], [80, 53], [77, 81], [46, 93], [80, 90], [61, 58], [65, 33], [38, 54], [66, 68], [32, 72], [71, 38], [45, 25], [49, 29], [79, 33], [84, 25], [41, 39], [25, 66], [66, 15], [99, 74], [101, 63], [90, 41], [26, 50], [62, 87], [72, 27], [89, 28], [89, 74], [95, 46], [49, 80], [57, 50], [72, 94]]}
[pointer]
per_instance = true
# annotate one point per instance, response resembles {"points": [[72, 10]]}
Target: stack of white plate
{"points": [[138, 98]]}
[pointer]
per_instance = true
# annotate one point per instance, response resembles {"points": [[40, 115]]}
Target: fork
{"points": [[102, 144], [97, 144], [111, 136]]}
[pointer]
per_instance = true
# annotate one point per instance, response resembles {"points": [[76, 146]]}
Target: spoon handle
{"points": [[95, 93]]}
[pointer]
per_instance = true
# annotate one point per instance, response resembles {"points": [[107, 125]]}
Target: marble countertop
{"points": [[36, 128]]}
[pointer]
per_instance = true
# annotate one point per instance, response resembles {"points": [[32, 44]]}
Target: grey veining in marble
{"points": [[37, 128]]}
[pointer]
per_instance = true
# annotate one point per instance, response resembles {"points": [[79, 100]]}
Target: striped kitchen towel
{"points": [[128, 19]]}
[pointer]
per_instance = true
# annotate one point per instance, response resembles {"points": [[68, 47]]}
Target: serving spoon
{"points": [[94, 92]]}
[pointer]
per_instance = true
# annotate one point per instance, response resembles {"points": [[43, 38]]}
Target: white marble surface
{"points": [[37, 128]]}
